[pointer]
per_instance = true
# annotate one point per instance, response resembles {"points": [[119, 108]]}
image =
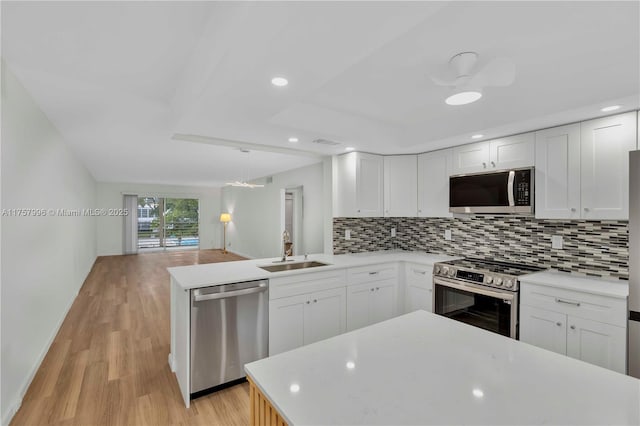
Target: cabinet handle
{"points": [[559, 324], [373, 289], [567, 302], [315, 300], [308, 302], [373, 273], [493, 164], [377, 288], [586, 209], [421, 272], [573, 327], [484, 165], [419, 211], [573, 209]]}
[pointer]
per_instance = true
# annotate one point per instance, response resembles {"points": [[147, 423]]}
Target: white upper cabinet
{"points": [[605, 145], [557, 174], [434, 169], [400, 186], [359, 185], [510, 152]]}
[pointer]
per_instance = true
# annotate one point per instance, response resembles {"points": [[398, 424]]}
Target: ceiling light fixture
{"points": [[477, 136], [244, 183], [610, 108], [464, 97], [349, 148], [293, 140], [279, 81]]}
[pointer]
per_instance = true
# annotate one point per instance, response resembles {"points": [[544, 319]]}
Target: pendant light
{"points": [[243, 183]]}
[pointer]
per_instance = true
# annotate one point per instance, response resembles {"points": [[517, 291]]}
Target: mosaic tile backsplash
{"points": [[594, 248]]}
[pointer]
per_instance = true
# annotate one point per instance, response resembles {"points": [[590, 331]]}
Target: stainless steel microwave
{"points": [[495, 192]]}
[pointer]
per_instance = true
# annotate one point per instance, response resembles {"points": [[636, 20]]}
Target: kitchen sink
{"points": [[292, 266]]}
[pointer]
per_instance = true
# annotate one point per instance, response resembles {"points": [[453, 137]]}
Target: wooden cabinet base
{"points": [[262, 412]]}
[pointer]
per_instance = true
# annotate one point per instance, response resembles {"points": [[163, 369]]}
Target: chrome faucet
{"points": [[286, 239]]}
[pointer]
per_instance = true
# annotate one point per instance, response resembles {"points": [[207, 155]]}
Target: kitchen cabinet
{"points": [[589, 327], [557, 173], [582, 170], [371, 294], [504, 153], [359, 185], [306, 308], [434, 169], [605, 144], [300, 320], [400, 186], [418, 287]]}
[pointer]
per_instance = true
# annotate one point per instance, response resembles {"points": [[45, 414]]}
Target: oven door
{"points": [[487, 308]]}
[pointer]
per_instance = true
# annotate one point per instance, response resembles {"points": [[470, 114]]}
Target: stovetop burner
{"points": [[515, 269], [490, 273]]}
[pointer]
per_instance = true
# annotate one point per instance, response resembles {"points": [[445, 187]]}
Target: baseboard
{"points": [[15, 406], [172, 365], [237, 253]]}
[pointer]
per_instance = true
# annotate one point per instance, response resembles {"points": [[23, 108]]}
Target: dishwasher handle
{"points": [[198, 297]]}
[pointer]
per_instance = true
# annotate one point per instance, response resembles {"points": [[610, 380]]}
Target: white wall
{"points": [[45, 259], [256, 223], [110, 228]]}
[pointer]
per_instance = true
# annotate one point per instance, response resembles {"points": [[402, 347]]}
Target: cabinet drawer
{"points": [[306, 283], [582, 305], [371, 273], [419, 275]]}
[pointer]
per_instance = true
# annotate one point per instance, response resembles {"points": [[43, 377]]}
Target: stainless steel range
{"points": [[480, 292]]}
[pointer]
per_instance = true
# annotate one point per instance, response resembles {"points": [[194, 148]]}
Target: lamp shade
{"points": [[225, 217]]}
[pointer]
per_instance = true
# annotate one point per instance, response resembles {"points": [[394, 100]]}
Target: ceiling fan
{"points": [[467, 80]]}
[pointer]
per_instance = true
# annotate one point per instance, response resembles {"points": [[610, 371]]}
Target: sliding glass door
{"points": [[167, 223]]}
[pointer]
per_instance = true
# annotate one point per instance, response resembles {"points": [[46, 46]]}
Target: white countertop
{"points": [[210, 274], [604, 287], [422, 368]]}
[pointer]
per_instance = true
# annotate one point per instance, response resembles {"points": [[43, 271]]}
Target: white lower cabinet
{"points": [[299, 320], [418, 288], [370, 303], [584, 326]]}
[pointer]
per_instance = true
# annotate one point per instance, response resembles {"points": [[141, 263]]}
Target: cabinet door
{"points": [[359, 305], [383, 300], [605, 146], [597, 343], [434, 169], [400, 186], [557, 174], [512, 152], [324, 315], [419, 288], [286, 323], [345, 185], [471, 158], [369, 192], [544, 329]]}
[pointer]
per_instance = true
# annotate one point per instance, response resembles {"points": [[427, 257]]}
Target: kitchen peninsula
{"points": [[421, 368]]}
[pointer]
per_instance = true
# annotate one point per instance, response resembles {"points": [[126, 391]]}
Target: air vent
{"points": [[326, 142]]}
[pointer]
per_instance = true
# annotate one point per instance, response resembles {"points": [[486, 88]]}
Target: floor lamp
{"points": [[224, 218]]}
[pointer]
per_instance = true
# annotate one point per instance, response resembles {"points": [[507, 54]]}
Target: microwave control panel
{"points": [[522, 188]]}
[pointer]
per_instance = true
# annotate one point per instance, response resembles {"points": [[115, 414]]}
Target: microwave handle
{"points": [[512, 176]]}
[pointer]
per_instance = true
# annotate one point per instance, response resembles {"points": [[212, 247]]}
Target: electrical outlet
{"points": [[347, 234], [447, 234], [556, 242], [393, 232]]}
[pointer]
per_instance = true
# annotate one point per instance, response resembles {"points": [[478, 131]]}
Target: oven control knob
{"points": [[489, 279], [445, 270], [436, 269], [498, 281], [452, 272], [508, 284]]}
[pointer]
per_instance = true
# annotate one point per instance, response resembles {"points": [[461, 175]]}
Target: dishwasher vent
{"points": [[325, 142]]}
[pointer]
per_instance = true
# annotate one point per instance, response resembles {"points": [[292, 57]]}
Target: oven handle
{"points": [[472, 289], [510, 193]]}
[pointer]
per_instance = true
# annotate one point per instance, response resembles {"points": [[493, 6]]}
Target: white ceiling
{"points": [[119, 79]]}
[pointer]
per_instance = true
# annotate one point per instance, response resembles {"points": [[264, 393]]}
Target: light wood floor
{"points": [[108, 363]]}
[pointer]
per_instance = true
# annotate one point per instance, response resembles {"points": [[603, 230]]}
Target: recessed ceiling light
{"points": [[463, 98], [478, 393], [478, 136], [294, 388], [293, 140], [349, 148], [610, 108], [279, 81]]}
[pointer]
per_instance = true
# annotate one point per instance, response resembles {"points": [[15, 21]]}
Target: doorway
{"points": [[165, 223]]}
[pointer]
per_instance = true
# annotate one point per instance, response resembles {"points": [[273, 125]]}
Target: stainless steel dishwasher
{"points": [[229, 328]]}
